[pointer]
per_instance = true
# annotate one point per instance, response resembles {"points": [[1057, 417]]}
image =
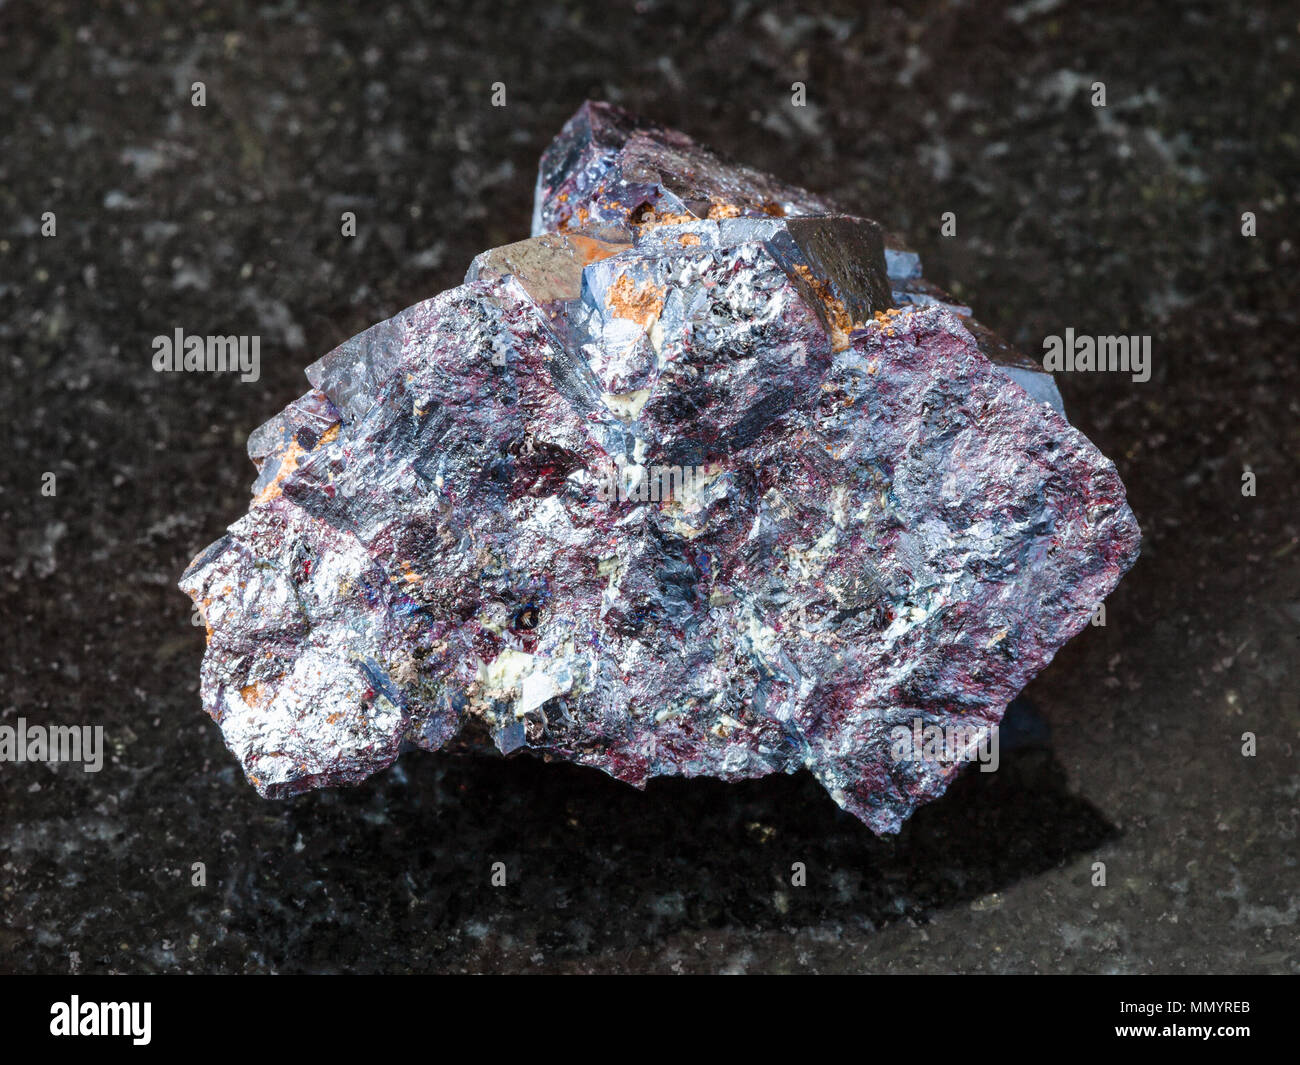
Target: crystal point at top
{"points": [[609, 172]]}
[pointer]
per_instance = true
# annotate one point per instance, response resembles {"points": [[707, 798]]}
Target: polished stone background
{"points": [[226, 220]]}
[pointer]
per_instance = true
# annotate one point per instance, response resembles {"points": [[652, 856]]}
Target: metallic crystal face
{"points": [[702, 479]]}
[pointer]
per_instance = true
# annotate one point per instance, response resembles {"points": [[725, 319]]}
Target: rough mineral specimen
{"points": [[701, 479]]}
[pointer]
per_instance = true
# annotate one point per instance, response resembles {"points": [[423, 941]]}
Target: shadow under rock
{"points": [[592, 865]]}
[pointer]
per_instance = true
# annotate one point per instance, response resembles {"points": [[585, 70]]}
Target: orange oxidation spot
{"points": [[724, 210], [837, 315], [885, 320], [640, 304], [289, 462], [254, 694], [648, 217], [689, 239], [593, 250]]}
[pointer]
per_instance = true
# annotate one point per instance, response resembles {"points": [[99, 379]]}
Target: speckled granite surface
{"points": [[226, 219]]}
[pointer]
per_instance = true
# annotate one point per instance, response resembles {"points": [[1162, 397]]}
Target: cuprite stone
{"points": [[701, 479]]}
